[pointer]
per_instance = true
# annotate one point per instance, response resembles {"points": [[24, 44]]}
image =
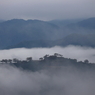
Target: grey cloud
{"points": [[14, 81], [46, 9], [66, 81]]}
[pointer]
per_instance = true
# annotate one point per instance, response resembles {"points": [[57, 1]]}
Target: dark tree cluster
{"points": [[48, 61]]}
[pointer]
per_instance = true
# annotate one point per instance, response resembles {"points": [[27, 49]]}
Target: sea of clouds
{"points": [[66, 81], [63, 81], [74, 52]]}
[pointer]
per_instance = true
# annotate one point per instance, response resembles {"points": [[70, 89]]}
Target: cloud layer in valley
{"points": [[74, 52], [63, 81], [14, 81]]}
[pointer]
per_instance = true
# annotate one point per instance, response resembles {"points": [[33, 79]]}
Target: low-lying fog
{"points": [[63, 81], [75, 52], [66, 81]]}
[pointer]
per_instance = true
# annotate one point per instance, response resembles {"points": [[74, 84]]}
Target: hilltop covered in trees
{"points": [[55, 61]]}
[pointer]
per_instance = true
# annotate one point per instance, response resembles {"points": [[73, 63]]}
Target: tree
{"points": [[10, 60], [4, 60], [29, 59], [46, 56], [57, 55], [15, 60], [86, 61], [40, 59]]}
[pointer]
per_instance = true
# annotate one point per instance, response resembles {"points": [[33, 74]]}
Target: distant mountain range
{"points": [[72, 39], [77, 39], [1, 21], [18, 30], [35, 33], [84, 24], [62, 23]]}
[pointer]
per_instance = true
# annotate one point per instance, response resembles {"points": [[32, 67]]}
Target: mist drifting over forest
{"points": [[49, 75], [47, 47], [74, 52], [64, 81]]}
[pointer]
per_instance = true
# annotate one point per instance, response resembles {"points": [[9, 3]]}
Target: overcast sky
{"points": [[47, 9]]}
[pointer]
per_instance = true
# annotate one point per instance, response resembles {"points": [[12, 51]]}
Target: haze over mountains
{"points": [[70, 74], [17, 33], [47, 47]]}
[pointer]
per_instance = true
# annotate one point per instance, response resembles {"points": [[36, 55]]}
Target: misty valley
{"points": [[50, 75], [54, 57]]}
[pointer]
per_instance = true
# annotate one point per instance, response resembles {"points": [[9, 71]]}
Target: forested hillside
{"points": [[17, 33], [56, 61]]}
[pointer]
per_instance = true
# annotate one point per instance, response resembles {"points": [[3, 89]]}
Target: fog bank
{"points": [[14, 81], [75, 52]]}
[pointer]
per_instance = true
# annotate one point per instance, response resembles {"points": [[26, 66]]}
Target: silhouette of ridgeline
{"points": [[55, 61]]}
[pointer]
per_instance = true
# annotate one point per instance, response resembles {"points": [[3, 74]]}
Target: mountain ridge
{"points": [[15, 31]]}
